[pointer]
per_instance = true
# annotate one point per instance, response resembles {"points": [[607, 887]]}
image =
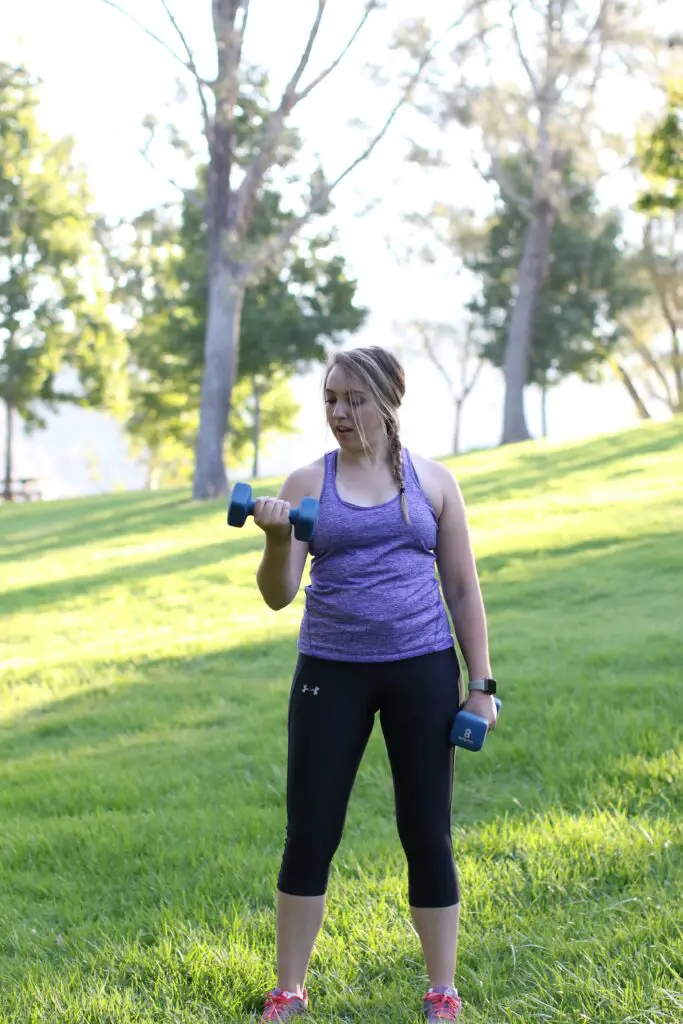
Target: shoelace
{"points": [[446, 1007], [275, 1002]]}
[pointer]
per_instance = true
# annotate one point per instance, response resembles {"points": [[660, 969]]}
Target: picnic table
{"points": [[22, 488]]}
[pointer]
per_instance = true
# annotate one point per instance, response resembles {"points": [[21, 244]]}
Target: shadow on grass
{"points": [[534, 468], [136, 573], [27, 531], [143, 818]]}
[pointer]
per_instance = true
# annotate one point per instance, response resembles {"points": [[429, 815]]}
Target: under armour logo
{"points": [[315, 690]]}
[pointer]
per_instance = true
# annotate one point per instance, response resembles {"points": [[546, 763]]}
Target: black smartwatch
{"points": [[487, 686]]}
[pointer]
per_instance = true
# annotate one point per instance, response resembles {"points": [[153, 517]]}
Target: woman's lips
{"points": [[344, 430]]}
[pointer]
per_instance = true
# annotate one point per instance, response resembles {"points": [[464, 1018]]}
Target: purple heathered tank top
{"points": [[374, 595]]}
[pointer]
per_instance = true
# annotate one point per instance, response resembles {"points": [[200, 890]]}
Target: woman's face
{"points": [[345, 395]]}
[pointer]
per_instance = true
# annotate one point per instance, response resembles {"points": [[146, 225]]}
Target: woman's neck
{"points": [[378, 456]]}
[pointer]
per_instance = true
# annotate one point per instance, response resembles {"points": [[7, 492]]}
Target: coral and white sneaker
{"points": [[442, 1003], [281, 1005]]}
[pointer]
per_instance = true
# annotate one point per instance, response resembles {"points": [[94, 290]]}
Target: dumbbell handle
{"points": [[293, 512]]}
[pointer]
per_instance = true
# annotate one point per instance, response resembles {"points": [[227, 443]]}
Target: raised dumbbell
{"points": [[304, 519], [470, 731]]}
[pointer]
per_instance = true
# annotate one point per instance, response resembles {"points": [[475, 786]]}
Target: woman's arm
{"points": [[459, 578], [284, 558]]}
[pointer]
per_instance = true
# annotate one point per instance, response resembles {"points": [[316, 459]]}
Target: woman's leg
{"points": [[299, 919], [419, 700], [437, 928], [331, 715]]}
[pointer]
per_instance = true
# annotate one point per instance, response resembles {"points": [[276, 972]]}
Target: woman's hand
{"points": [[272, 515], [482, 704]]}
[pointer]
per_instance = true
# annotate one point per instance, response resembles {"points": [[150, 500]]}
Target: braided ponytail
{"points": [[396, 462]]}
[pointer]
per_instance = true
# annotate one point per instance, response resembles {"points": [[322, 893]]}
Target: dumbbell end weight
{"points": [[469, 731], [304, 519], [241, 505]]}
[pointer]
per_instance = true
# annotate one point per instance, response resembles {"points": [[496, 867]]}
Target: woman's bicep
{"points": [[454, 553], [302, 483]]}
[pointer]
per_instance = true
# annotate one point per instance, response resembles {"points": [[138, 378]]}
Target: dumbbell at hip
{"points": [[304, 519], [470, 731]]}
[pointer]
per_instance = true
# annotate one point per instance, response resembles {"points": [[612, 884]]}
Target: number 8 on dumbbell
{"points": [[304, 519]]}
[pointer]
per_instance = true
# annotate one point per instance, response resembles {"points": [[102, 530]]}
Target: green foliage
{"points": [[53, 311], [289, 318], [661, 158], [587, 286], [143, 752]]}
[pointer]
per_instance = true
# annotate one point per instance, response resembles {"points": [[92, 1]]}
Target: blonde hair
{"points": [[384, 377]]}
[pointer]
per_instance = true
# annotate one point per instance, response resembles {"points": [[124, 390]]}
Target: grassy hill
{"points": [[143, 701]]}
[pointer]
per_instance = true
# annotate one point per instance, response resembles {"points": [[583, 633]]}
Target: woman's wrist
{"points": [[486, 673]]}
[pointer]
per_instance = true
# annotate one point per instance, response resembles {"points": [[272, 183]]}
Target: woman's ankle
{"points": [[291, 987]]}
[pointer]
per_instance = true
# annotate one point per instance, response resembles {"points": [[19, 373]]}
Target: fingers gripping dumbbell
{"points": [[304, 519], [470, 731]]}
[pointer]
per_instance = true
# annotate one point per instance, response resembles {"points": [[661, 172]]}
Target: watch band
{"points": [[486, 685]]}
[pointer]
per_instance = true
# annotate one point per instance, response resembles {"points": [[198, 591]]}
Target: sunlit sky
{"points": [[101, 75]]}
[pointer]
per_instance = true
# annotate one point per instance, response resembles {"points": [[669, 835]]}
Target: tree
{"points": [[654, 348], [290, 318], [53, 313], [233, 260], [456, 354], [544, 110], [661, 157], [264, 407], [587, 288]]}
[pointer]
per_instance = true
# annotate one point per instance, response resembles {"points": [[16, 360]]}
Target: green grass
{"points": [[142, 752]]}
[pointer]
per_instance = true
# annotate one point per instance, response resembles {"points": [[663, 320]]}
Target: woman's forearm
{"points": [[274, 574], [469, 620]]}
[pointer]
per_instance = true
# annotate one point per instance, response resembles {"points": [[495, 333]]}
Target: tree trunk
{"points": [[625, 379], [7, 490], [518, 348], [544, 410], [257, 428], [677, 367], [458, 421], [225, 300]]}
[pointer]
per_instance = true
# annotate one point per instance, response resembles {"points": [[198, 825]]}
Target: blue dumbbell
{"points": [[470, 731], [304, 519]]}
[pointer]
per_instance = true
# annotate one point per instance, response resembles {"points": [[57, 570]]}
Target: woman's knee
{"points": [[306, 860]]}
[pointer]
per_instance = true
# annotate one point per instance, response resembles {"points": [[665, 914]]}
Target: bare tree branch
{"points": [[520, 50], [370, 7], [190, 194], [148, 32], [192, 67], [423, 331], [289, 95], [469, 353], [646, 355], [320, 199], [501, 178], [272, 132], [660, 290], [622, 373]]}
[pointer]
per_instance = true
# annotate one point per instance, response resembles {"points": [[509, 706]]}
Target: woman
{"points": [[375, 636]]}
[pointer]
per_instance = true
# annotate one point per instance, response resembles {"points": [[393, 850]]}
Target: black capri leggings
{"points": [[331, 715]]}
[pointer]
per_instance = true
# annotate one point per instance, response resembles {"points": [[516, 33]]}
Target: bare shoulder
{"points": [[436, 480], [304, 482]]}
